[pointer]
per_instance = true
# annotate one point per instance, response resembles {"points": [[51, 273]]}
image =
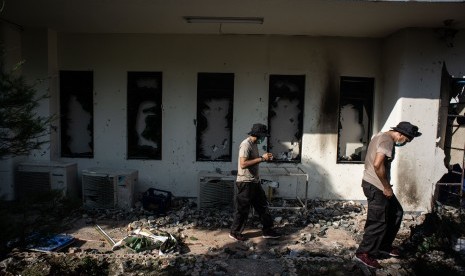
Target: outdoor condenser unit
{"points": [[104, 188], [35, 178], [215, 190]]}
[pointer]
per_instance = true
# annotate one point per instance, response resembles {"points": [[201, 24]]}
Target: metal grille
{"points": [[98, 192], [216, 193], [30, 184]]}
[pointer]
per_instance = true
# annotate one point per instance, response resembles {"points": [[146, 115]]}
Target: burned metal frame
{"points": [[279, 171]]}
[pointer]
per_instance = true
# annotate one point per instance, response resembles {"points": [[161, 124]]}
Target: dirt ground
{"points": [[251, 260], [319, 240], [202, 242]]}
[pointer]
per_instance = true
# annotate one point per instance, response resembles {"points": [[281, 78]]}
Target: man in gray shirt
{"points": [[249, 189], [385, 213]]}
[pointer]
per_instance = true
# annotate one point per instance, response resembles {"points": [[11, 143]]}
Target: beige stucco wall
{"points": [[406, 68]]}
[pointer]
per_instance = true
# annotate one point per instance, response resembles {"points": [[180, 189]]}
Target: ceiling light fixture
{"points": [[221, 19]]}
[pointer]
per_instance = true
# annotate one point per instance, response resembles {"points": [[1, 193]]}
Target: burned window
{"points": [[285, 117], [454, 139], [144, 115], [76, 108], [215, 95], [355, 117]]}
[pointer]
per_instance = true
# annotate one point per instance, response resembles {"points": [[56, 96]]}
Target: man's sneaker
{"points": [[270, 234], [394, 252], [365, 259], [237, 237]]}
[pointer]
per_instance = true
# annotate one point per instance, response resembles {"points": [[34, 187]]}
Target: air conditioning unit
{"points": [[33, 178], [216, 190], [104, 188]]}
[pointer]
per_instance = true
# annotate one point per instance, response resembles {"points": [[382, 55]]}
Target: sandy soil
{"points": [[204, 241]]}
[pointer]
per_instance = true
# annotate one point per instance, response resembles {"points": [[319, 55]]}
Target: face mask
{"points": [[401, 144], [260, 140]]}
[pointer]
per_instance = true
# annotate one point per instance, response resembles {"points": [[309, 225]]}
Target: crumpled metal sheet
{"points": [[143, 239]]}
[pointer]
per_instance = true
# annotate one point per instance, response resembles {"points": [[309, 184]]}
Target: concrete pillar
{"points": [[39, 50]]}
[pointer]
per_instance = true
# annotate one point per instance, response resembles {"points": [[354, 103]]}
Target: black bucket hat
{"points": [[409, 130], [259, 130]]}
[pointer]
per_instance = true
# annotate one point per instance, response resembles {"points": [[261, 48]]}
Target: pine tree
{"points": [[21, 128]]}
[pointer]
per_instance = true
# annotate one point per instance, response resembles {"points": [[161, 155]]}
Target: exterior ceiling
{"points": [[282, 17]]}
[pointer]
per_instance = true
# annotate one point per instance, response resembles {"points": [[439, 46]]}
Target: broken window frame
{"points": [[79, 84], [276, 93], [153, 132], [451, 121], [216, 86], [359, 97], [453, 145]]}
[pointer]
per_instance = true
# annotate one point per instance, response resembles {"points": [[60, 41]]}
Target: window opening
{"points": [[76, 108], [451, 127], [215, 95], [285, 117], [144, 100], [455, 131], [355, 118]]}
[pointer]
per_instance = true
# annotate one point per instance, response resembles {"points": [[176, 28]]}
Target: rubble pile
{"points": [[318, 213], [436, 245], [431, 242]]}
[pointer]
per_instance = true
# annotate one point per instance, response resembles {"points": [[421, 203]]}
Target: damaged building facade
{"points": [[171, 105]]}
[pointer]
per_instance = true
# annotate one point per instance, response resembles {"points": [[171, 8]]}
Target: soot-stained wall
{"points": [[222, 118], [406, 67]]}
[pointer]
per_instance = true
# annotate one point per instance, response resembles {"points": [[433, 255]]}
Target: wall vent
{"points": [[215, 190]]}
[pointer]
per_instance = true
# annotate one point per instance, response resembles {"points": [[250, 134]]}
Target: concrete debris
{"points": [[310, 245]]}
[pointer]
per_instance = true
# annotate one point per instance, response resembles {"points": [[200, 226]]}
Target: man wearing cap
{"points": [[249, 189], [385, 213]]}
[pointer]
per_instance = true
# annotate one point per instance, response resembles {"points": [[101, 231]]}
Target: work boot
{"points": [[365, 259], [237, 237]]}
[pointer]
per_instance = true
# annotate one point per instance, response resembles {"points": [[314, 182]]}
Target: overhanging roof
{"points": [[283, 17]]}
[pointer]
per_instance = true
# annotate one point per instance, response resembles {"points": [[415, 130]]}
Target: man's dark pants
{"points": [[250, 194], [383, 221]]}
